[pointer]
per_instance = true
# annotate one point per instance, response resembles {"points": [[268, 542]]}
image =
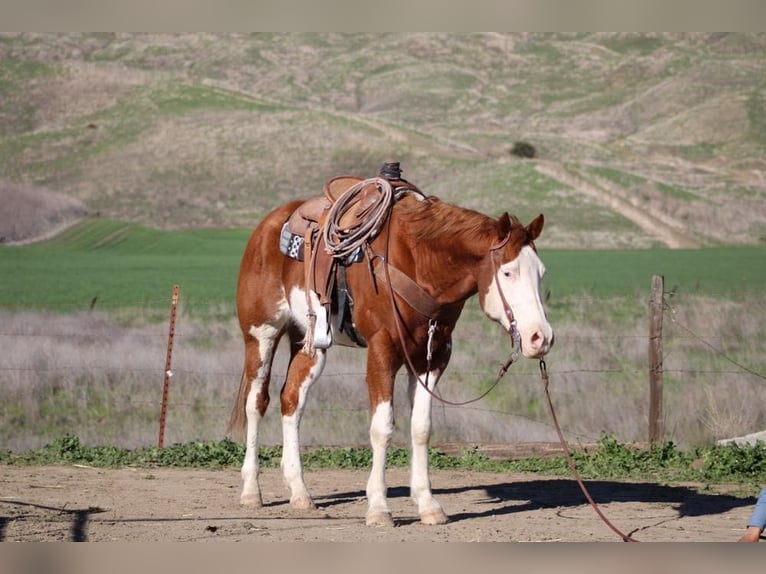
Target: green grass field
{"points": [[127, 265], [57, 380], [122, 265]]}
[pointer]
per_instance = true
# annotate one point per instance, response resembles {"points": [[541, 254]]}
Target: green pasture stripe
{"points": [[725, 271], [127, 265], [122, 265]]}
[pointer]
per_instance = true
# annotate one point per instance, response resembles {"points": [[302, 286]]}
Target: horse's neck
{"points": [[448, 264], [455, 272]]}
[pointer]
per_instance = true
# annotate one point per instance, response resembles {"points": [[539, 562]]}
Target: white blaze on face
{"points": [[520, 282]]}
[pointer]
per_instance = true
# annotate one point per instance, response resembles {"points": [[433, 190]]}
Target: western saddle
{"points": [[329, 233]]}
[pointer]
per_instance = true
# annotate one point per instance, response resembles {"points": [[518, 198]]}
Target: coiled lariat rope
{"points": [[366, 215], [343, 241]]}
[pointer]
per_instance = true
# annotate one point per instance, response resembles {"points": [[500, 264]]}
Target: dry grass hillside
{"points": [[31, 214], [640, 139]]}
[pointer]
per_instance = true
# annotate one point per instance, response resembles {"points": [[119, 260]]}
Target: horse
{"points": [[408, 285]]}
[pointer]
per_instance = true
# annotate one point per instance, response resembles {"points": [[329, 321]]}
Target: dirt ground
{"points": [[68, 503]]}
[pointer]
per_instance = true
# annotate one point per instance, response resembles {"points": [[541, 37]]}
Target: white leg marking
{"points": [[266, 335], [429, 509], [292, 469], [251, 491], [381, 429]]}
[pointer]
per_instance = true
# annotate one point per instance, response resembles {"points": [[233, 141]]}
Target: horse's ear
{"points": [[505, 224], [535, 227]]}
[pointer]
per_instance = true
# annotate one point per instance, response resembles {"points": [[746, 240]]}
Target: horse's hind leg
{"points": [[260, 344], [303, 371]]}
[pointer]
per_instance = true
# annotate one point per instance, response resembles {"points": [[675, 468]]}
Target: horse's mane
{"points": [[434, 219]]}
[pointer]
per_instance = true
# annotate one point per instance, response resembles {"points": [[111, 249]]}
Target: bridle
{"points": [[513, 330]]}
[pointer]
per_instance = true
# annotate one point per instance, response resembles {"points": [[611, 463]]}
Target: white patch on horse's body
{"points": [[520, 282], [269, 331], [298, 307], [300, 315]]}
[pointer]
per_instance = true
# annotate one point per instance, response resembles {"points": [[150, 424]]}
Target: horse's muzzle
{"points": [[537, 344]]}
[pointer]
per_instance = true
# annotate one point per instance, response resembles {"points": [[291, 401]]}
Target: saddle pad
{"points": [[291, 244], [294, 246]]}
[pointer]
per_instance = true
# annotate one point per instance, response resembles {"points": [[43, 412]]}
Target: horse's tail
{"points": [[238, 419]]}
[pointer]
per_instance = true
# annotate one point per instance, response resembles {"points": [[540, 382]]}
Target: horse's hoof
{"points": [[251, 500], [302, 503], [380, 519], [433, 517]]}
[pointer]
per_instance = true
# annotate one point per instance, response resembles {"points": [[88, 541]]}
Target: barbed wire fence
{"points": [[110, 381]]}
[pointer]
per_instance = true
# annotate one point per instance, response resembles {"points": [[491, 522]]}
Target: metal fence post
{"points": [[168, 371]]}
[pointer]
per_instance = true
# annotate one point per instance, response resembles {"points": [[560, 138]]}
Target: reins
{"points": [[570, 460]]}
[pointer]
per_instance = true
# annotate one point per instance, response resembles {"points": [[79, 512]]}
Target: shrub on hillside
{"points": [[524, 150]]}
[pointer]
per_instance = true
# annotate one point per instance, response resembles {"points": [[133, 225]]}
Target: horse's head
{"points": [[509, 285]]}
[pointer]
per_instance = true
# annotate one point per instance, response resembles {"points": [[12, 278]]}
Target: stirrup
{"points": [[322, 331]]}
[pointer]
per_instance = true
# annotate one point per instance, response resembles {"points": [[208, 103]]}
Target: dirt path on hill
{"points": [[658, 225], [65, 503]]}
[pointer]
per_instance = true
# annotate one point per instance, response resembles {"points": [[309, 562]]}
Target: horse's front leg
{"points": [[429, 509], [303, 371], [380, 384], [381, 429]]}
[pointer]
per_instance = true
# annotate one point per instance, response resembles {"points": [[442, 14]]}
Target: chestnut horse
{"points": [[449, 253]]}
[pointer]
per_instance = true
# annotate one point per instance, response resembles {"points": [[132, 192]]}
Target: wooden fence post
{"points": [[168, 372], [655, 359]]}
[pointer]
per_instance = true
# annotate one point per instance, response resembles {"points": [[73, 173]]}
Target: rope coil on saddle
{"points": [[342, 241]]}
